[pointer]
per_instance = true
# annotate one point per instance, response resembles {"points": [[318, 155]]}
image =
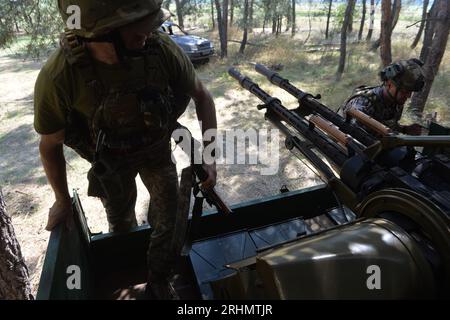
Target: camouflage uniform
{"points": [[370, 100], [405, 74], [120, 117]]}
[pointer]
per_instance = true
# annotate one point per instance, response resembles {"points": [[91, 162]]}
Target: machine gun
{"points": [[359, 158], [376, 174]]}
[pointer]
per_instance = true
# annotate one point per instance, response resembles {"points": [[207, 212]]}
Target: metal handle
{"points": [[369, 122], [330, 129]]}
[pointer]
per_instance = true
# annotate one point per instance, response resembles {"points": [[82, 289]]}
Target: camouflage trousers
{"points": [[162, 184]]}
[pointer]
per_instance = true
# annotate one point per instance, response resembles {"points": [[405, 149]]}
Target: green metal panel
{"points": [[129, 248], [104, 258], [65, 249]]}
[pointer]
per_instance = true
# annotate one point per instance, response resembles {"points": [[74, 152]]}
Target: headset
{"points": [[395, 69]]}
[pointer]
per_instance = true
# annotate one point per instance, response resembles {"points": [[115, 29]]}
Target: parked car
{"points": [[197, 48]]}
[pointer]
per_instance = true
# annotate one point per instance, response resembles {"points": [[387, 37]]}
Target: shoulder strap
{"points": [[76, 55], [362, 91]]}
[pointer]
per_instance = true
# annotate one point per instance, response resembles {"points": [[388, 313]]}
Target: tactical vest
{"points": [[388, 116], [129, 117]]}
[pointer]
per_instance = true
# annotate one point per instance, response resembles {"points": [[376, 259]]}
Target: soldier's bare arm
{"points": [[52, 157], [204, 104], [206, 114]]}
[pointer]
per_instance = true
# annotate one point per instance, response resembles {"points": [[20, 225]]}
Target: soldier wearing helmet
{"points": [[385, 102], [113, 92]]}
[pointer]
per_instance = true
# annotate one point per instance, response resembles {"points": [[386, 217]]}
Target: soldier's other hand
{"points": [[61, 211], [210, 182], [413, 129]]}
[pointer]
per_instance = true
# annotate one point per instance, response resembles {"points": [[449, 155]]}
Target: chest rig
{"points": [[133, 115], [389, 115]]}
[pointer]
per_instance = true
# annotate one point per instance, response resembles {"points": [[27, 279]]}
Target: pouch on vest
{"points": [[105, 178], [77, 135]]}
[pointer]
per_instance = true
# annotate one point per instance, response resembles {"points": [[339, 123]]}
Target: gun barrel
{"points": [[236, 75], [415, 141], [308, 101], [331, 150], [248, 84], [273, 77]]}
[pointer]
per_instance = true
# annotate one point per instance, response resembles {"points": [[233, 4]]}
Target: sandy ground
{"points": [[28, 196]]}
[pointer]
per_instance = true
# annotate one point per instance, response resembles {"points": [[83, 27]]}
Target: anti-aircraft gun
{"points": [[394, 191], [378, 228]]}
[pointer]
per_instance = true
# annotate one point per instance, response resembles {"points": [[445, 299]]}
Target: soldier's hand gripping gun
{"points": [[210, 195]]}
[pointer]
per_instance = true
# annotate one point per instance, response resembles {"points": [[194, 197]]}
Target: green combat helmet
{"points": [[100, 17], [405, 74]]}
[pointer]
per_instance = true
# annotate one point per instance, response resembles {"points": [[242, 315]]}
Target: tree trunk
{"points": [[429, 32], [244, 37], [395, 14], [363, 20], [219, 25], [250, 13], [179, 8], [328, 19], [212, 15], [350, 23], [288, 14], [309, 27], [294, 26], [385, 36], [16, 25], [274, 23], [225, 28], [231, 12], [222, 22], [14, 283], [279, 24], [344, 29], [371, 21], [396, 8], [422, 24], [264, 23], [434, 57]]}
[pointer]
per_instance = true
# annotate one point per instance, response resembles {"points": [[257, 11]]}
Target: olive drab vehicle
{"points": [[383, 217]]}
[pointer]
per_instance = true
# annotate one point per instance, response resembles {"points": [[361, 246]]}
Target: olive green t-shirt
{"points": [[61, 86]]}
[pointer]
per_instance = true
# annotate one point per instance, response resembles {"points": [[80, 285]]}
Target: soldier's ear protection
{"points": [[391, 71], [417, 61], [395, 69]]}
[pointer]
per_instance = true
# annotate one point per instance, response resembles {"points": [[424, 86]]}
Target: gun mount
{"points": [[376, 176], [378, 229]]}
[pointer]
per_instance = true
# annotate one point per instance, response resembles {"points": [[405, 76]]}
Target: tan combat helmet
{"points": [[100, 17], [405, 74]]}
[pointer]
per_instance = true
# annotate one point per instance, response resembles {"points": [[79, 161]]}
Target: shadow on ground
{"points": [[10, 63], [19, 158]]}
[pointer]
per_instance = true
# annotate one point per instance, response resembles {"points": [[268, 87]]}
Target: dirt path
{"points": [[28, 195]]}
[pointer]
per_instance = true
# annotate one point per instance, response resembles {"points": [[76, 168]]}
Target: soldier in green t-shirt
{"points": [[113, 92]]}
